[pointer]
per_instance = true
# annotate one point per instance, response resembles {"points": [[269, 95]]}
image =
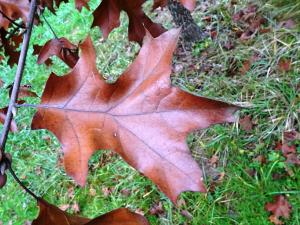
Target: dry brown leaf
{"points": [[246, 123], [141, 116], [279, 207], [51, 215], [107, 17]]}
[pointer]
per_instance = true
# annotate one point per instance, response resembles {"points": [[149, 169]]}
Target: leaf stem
{"points": [[18, 77]]}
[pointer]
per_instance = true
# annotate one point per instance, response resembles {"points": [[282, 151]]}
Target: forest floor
{"points": [[243, 164]]}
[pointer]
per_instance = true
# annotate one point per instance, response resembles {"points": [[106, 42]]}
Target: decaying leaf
{"points": [[284, 65], [61, 48], [289, 152], [291, 135], [279, 207], [107, 17], [246, 123], [189, 4], [51, 215], [141, 116], [50, 4]]}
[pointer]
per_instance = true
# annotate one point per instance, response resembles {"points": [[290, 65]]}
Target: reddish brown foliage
{"points": [[50, 215], [284, 65], [14, 9], [289, 152], [141, 117], [246, 123], [81, 3], [107, 17], [61, 48], [279, 207]]}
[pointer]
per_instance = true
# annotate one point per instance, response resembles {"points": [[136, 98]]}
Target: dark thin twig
{"points": [[8, 164], [12, 21], [18, 77], [44, 18]]}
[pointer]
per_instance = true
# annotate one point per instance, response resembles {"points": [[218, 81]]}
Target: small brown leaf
{"points": [[246, 123], [81, 3], [61, 48], [286, 148], [293, 158], [261, 159], [107, 17], [284, 65], [291, 135], [279, 207], [213, 34]]}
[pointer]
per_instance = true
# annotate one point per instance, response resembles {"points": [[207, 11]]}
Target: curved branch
{"points": [[8, 164]]}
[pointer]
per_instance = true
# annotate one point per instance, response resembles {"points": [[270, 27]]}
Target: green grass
{"points": [[273, 102]]}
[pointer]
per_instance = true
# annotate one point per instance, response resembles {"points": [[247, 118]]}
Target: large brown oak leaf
{"points": [[51, 215], [141, 116], [107, 17]]}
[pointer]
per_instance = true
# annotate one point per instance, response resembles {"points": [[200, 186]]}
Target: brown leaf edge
{"points": [[50, 215]]}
